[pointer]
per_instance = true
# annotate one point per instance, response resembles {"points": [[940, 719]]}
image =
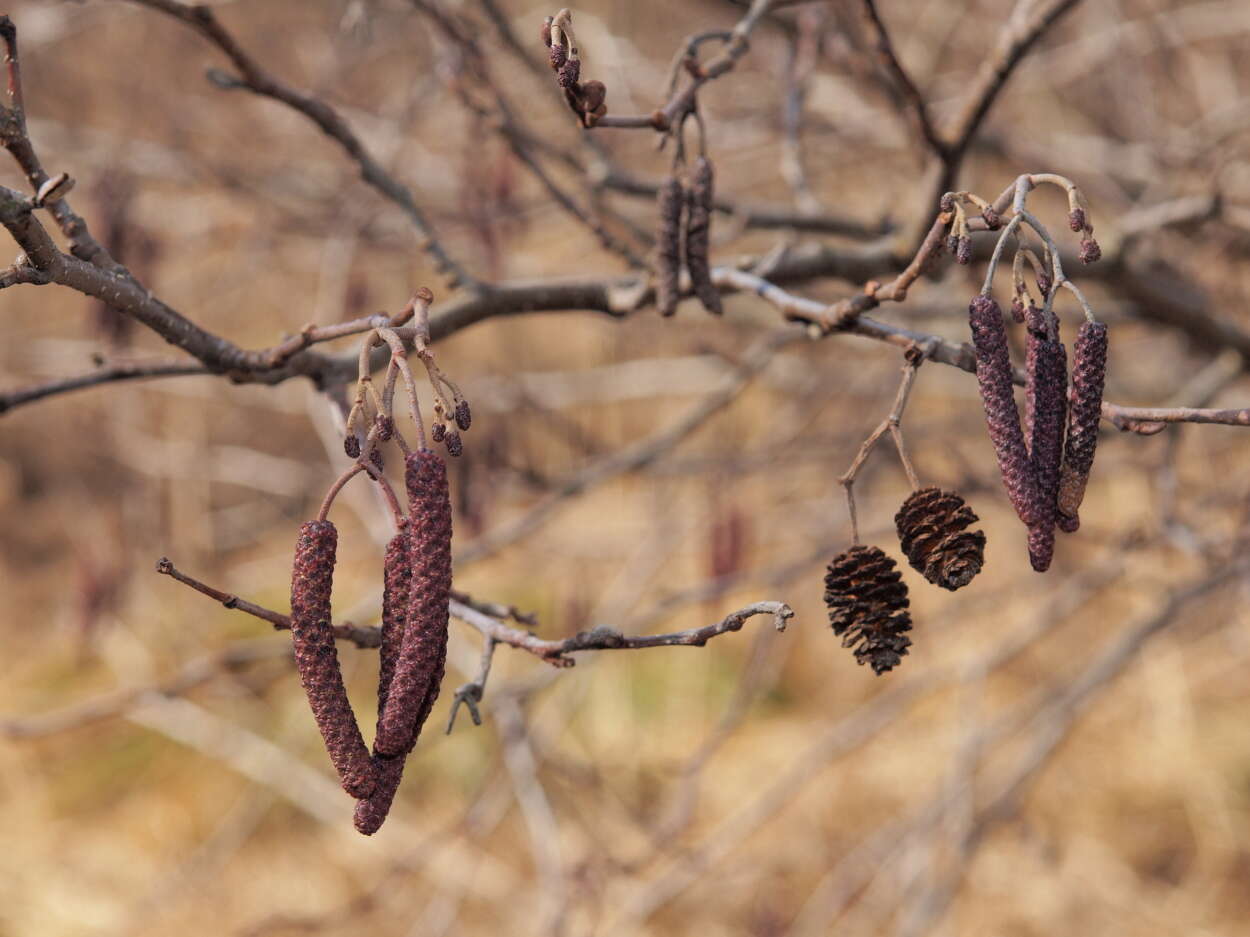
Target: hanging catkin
{"points": [[994, 376], [396, 574], [1046, 395], [669, 204], [1089, 372], [423, 653], [318, 661], [698, 236]]}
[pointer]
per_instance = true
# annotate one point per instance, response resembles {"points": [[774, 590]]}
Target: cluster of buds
{"points": [[683, 236], [588, 100], [416, 579]]}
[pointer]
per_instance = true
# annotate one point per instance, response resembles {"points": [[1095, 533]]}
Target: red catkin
{"points": [[372, 811], [1089, 372], [423, 652], [1002, 417], [318, 661], [1046, 407]]}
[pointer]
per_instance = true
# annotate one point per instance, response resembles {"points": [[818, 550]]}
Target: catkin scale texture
{"points": [[423, 652], [372, 811], [669, 203], [1089, 372], [698, 236], [318, 661], [1046, 394], [994, 377]]}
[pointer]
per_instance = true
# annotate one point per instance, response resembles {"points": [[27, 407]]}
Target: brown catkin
{"points": [[1046, 409], [698, 236], [867, 603], [1089, 372], [318, 661], [372, 811], [423, 653], [670, 202], [994, 376]]}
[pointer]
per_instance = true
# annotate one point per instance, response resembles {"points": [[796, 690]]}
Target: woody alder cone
{"points": [[318, 661], [932, 527], [868, 606]]}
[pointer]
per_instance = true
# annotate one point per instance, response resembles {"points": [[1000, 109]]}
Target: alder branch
{"points": [[109, 374], [255, 79], [555, 652]]}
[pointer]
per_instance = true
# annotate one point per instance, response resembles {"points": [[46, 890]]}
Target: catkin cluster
{"points": [[413, 651], [683, 236], [1045, 464]]}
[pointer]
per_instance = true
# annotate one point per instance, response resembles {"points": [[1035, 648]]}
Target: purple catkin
{"points": [[947, 202], [992, 219], [1017, 309], [438, 432], [464, 416], [1076, 219], [375, 456], [1089, 372], [698, 228], [989, 338], [423, 654], [385, 426], [371, 812], [318, 661], [1046, 409], [351, 445], [669, 203]]}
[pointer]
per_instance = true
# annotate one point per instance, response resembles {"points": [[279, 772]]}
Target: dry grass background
{"points": [[753, 786]]}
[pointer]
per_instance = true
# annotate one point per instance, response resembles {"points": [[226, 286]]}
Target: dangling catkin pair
{"points": [[683, 235], [413, 653]]}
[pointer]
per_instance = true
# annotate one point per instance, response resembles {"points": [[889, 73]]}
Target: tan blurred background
{"points": [[1017, 775]]}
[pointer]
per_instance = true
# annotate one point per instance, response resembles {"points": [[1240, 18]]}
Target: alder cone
{"points": [[1046, 413], [423, 652], [1002, 417], [933, 530], [669, 203], [868, 604], [698, 236], [1089, 373], [318, 661]]}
